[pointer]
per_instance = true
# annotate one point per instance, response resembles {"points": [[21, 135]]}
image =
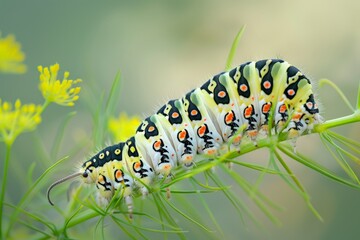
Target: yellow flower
{"points": [[11, 57], [17, 119], [54, 90], [123, 127]]}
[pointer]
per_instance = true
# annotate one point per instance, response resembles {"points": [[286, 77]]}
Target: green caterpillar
{"points": [[250, 101]]}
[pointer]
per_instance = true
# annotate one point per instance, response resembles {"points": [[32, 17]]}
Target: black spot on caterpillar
{"points": [[240, 103]]}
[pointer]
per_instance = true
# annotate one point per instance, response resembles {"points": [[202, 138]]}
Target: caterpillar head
{"points": [[86, 172], [89, 170]]}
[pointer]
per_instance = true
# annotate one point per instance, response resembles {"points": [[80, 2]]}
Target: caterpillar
{"points": [[250, 101]]}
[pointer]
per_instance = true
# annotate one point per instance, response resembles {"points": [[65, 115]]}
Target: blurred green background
{"points": [[165, 48]]}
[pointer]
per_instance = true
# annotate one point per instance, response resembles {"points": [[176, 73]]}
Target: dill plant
{"points": [[18, 118], [157, 215]]}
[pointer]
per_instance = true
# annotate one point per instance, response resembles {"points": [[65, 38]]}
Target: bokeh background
{"points": [[165, 48]]}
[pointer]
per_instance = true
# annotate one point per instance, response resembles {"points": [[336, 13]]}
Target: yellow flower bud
{"points": [[123, 127], [61, 92], [11, 56]]}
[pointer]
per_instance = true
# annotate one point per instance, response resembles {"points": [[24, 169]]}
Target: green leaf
{"points": [[299, 185], [315, 166], [338, 90], [60, 134], [233, 48], [113, 98], [29, 193], [253, 194]]}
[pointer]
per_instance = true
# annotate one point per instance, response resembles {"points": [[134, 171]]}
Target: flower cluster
{"points": [[123, 127], [17, 119], [54, 90], [11, 56]]}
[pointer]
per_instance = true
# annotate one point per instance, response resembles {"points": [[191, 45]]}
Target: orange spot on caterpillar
{"points": [[118, 174], [291, 92], [252, 133], [243, 87], [266, 107], [229, 117], [237, 139], [222, 94], [182, 135], [157, 145], [296, 116], [282, 108], [267, 84], [167, 167], [175, 115], [210, 152], [101, 178], [137, 165], [248, 111], [202, 130]]}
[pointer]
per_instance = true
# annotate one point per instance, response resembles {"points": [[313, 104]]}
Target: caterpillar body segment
{"points": [[140, 168], [220, 101], [156, 146], [173, 118], [207, 133], [267, 96]]}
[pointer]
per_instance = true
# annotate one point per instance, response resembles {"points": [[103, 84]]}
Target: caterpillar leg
{"points": [[129, 204], [102, 200], [168, 193]]}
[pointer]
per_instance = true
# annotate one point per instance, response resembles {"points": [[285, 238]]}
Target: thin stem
{"points": [[3, 185], [234, 46], [288, 170], [338, 90], [44, 106], [355, 117], [80, 219], [358, 99]]}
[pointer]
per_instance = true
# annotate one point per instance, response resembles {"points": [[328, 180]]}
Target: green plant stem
{"points": [[44, 106], [234, 46], [355, 117], [80, 219], [338, 90], [3, 185]]}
